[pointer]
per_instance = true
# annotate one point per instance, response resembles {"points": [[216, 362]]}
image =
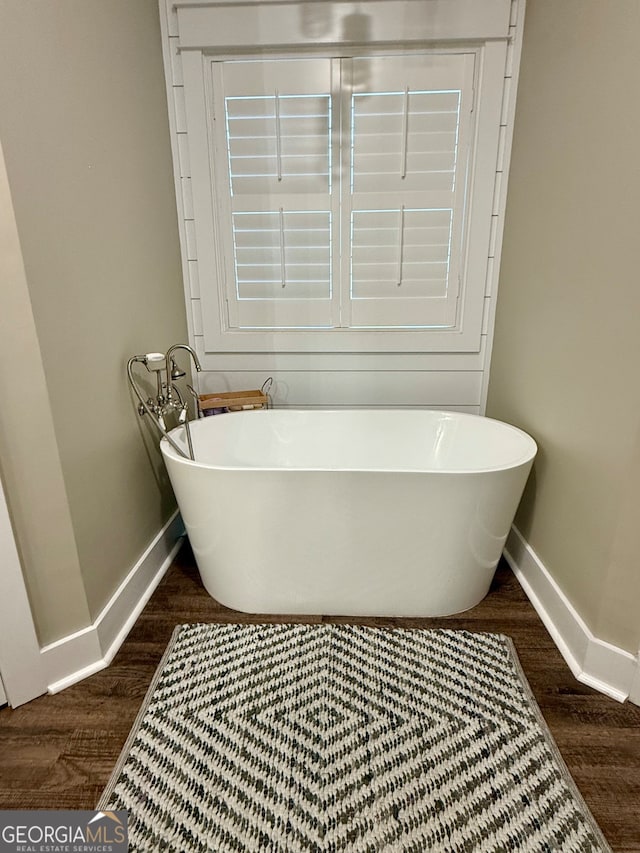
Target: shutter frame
{"points": [[212, 258]]}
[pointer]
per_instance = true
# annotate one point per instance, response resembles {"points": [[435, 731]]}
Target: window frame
{"points": [[465, 336]]}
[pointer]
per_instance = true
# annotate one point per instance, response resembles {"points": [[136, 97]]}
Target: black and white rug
{"points": [[344, 738]]}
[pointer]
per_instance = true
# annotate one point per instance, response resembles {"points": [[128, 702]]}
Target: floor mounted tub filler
{"points": [[355, 512]]}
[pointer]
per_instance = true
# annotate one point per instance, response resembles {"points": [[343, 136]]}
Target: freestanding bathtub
{"points": [[354, 512]]}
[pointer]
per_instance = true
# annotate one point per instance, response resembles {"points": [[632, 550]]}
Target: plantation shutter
{"points": [[273, 130], [342, 189], [409, 128]]}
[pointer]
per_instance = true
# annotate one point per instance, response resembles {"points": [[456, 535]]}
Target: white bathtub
{"points": [[353, 512]]}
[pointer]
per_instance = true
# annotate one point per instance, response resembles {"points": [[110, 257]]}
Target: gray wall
{"points": [[567, 342], [83, 123]]}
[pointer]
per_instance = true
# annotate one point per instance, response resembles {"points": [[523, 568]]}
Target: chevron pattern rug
{"points": [[344, 738]]}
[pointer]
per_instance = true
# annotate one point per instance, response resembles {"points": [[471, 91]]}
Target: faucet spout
{"points": [[171, 366], [191, 352]]}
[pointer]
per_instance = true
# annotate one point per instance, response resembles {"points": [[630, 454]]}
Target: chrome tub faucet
{"points": [[168, 397]]}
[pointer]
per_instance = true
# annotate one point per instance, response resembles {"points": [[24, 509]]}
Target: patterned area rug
{"points": [[344, 738]]}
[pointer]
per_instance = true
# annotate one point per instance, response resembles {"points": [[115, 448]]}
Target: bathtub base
{"points": [[297, 604], [358, 544]]}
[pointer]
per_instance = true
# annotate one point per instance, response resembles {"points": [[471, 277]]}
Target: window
{"points": [[345, 183], [342, 193]]}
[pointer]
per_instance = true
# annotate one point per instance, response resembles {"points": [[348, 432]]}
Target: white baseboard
{"points": [[600, 665], [85, 652], [634, 693]]}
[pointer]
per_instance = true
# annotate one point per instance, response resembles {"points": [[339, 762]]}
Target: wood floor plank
{"points": [[59, 751]]}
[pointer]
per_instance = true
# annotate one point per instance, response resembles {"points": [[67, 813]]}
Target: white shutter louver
{"points": [[405, 248], [282, 255], [400, 134], [283, 138]]}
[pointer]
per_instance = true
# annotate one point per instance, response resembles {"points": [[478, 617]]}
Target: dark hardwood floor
{"points": [[58, 751]]}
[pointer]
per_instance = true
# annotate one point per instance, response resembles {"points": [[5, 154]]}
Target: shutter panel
{"points": [[273, 124], [278, 144], [410, 130], [406, 248], [277, 251]]}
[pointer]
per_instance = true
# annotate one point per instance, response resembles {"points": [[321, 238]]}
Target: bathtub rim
{"points": [[527, 458]]}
